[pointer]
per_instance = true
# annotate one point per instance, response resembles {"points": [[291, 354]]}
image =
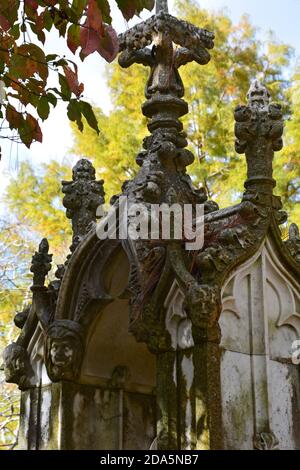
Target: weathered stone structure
{"points": [[140, 343]]}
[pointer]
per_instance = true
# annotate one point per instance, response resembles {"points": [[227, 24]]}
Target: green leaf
{"points": [[105, 10], [73, 39], [48, 20], [78, 6], [15, 31], [65, 89], [74, 113], [43, 108], [51, 57], [89, 115], [52, 99]]}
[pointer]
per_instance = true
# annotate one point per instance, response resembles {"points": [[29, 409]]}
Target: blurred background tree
{"points": [[34, 197]]}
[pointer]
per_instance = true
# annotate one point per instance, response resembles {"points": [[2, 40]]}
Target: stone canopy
{"points": [[142, 344]]}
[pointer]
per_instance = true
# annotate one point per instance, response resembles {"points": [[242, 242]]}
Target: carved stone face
{"points": [[62, 353], [64, 350], [16, 366]]}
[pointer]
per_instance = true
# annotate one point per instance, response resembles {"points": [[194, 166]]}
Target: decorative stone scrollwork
{"points": [[265, 441], [17, 368], [64, 350]]}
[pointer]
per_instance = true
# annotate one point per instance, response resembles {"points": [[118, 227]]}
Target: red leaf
{"points": [[35, 128], [72, 79], [32, 3], [13, 117], [51, 3], [40, 21], [128, 8], [4, 23], [107, 45], [94, 17], [89, 39]]}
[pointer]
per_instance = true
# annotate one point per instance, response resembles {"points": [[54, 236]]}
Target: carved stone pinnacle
{"points": [[164, 90], [41, 264], [258, 131]]}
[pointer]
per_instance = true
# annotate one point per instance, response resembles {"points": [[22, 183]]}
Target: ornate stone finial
{"points": [[258, 131], [83, 195], [41, 265], [164, 90]]}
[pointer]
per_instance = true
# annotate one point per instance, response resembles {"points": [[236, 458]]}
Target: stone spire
{"points": [[83, 195], [258, 131]]}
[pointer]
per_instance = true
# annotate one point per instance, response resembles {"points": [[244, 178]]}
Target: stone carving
{"points": [[41, 265], [293, 243], [178, 324], [17, 368], [258, 130], [64, 350], [203, 305], [21, 317], [119, 377], [83, 195], [265, 441], [162, 177], [164, 90], [180, 32]]}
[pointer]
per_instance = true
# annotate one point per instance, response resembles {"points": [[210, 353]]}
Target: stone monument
{"points": [[142, 344]]}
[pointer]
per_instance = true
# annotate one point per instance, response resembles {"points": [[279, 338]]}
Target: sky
{"points": [[281, 17]]}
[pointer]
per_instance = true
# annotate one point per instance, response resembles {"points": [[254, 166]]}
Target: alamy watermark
{"points": [[137, 221]]}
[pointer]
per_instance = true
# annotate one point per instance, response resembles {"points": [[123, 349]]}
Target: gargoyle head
{"points": [[64, 350]]}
